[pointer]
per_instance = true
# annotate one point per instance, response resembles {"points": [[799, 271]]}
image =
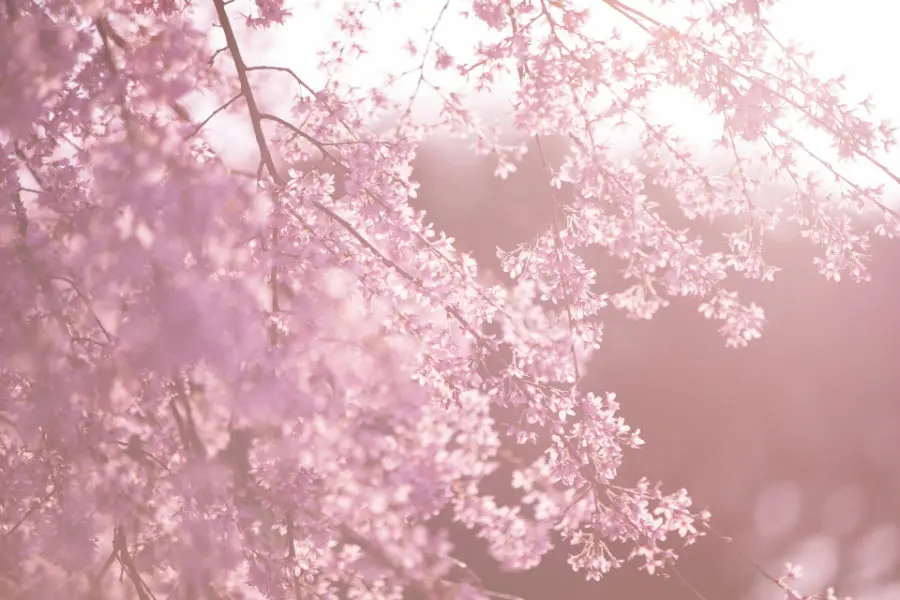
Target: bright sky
{"points": [[857, 41]]}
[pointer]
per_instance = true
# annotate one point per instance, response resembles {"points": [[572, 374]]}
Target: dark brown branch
{"points": [[187, 428], [351, 537], [119, 542], [203, 123], [212, 59], [292, 554], [296, 130], [261, 142], [247, 91], [15, 526], [451, 310], [21, 216], [633, 14], [86, 301], [98, 576], [290, 72]]}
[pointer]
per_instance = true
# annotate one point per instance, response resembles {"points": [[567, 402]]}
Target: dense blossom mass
{"points": [[219, 382]]}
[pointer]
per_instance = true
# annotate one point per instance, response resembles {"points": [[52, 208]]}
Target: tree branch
{"points": [[203, 123]]}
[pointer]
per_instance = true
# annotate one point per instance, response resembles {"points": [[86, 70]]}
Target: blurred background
{"points": [[792, 442]]}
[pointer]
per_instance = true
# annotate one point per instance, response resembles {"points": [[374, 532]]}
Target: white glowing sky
{"points": [[858, 42]]}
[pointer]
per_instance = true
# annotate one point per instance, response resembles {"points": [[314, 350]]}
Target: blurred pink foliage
{"points": [[231, 383]]}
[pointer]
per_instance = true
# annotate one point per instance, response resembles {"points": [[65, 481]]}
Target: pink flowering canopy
{"points": [[222, 383]]}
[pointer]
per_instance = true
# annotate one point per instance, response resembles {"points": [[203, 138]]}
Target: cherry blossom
{"points": [[231, 383]]}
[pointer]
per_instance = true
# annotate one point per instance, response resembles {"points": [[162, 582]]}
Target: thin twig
{"points": [[203, 123]]}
